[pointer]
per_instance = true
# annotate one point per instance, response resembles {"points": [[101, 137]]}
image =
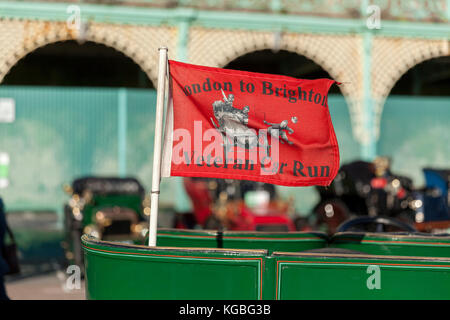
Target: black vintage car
{"points": [[364, 189], [105, 208]]}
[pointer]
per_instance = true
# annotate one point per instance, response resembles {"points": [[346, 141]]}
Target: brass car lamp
{"points": [[102, 219], [92, 230]]}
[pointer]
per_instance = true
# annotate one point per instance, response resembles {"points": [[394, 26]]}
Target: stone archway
{"points": [[19, 38], [392, 58], [337, 55]]}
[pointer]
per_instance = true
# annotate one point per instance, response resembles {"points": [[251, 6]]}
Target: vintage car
{"points": [[433, 201], [230, 265], [238, 205], [368, 258], [365, 189], [104, 208]]}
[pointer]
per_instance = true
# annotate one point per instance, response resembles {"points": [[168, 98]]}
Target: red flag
{"points": [[251, 126]]}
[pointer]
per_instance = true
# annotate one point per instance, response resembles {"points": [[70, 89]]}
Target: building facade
{"points": [[367, 45]]}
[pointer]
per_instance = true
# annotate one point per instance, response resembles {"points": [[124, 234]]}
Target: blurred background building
{"points": [[77, 83]]}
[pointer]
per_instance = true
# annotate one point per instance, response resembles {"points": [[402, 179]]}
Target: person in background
{"points": [[3, 264]]}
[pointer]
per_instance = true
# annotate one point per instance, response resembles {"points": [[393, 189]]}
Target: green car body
{"points": [[270, 241], [422, 245], [283, 271]]}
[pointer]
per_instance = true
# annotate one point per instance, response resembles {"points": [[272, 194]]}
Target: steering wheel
{"points": [[375, 224]]}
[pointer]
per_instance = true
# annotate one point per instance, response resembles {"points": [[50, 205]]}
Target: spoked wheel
{"points": [[330, 214]]}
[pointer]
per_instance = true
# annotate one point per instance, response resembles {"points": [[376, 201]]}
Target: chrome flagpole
{"points": [[156, 177]]}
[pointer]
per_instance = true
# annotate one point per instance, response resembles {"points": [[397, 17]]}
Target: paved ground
{"points": [[39, 236], [51, 286]]}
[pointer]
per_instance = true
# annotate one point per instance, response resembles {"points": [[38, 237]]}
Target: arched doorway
{"points": [[281, 62], [68, 63], [414, 124], [298, 66]]}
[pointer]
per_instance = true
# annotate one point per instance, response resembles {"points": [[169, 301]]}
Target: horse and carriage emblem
{"points": [[232, 123]]}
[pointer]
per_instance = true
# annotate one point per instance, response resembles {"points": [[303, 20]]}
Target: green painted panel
{"points": [[139, 272], [271, 241], [187, 238], [141, 106], [62, 133], [340, 116], [365, 278], [115, 271], [415, 133], [58, 134], [397, 245], [290, 242]]}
